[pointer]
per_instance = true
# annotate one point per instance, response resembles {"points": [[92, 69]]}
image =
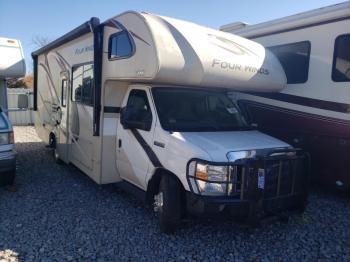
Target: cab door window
{"points": [[138, 108]]}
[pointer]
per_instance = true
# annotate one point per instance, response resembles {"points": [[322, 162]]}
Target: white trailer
{"points": [[12, 65], [312, 112], [141, 100]]}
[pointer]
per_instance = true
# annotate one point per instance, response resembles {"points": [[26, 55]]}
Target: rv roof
{"points": [[86, 27], [293, 22], [168, 50]]}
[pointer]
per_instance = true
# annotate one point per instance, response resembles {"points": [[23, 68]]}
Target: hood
{"points": [[218, 144]]}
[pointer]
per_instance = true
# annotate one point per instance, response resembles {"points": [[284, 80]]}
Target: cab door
{"points": [[133, 163], [62, 121]]}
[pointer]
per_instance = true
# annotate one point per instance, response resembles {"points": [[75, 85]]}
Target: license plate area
{"points": [[261, 178]]}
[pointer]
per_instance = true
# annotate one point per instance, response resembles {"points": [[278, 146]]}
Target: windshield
{"points": [[186, 110]]}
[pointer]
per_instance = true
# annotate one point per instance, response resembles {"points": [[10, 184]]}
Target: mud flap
{"points": [[256, 209]]}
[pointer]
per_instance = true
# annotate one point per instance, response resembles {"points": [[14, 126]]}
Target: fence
{"points": [[19, 117]]}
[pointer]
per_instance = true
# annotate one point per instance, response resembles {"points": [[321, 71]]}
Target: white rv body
{"points": [[312, 113], [163, 56], [85, 80]]}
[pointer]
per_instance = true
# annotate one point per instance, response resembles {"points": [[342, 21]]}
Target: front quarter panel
{"points": [[176, 153]]}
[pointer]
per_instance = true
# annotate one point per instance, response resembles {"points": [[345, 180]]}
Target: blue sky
{"points": [[29, 18]]}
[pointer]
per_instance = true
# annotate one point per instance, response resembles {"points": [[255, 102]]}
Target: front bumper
{"points": [[250, 209], [7, 162], [285, 189]]}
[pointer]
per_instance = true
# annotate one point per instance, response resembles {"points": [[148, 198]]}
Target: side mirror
{"points": [[128, 123], [122, 116], [23, 101]]}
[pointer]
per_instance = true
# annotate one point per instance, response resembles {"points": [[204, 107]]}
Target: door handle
{"points": [[119, 143]]}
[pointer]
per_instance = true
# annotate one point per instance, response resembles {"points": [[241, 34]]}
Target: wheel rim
{"points": [[56, 154], [158, 202]]}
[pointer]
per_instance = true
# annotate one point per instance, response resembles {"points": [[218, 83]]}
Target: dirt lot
{"points": [[59, 214]]}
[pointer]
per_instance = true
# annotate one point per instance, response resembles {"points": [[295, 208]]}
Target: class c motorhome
{"points": [[141, 100], [312, 112], [11, 65]]}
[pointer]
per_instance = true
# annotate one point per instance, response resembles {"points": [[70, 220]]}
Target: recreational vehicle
{"points": [[312, 112], [11, 65], [141, 100]]}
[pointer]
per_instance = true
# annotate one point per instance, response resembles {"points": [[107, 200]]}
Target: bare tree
{"points": [[40, 41]]}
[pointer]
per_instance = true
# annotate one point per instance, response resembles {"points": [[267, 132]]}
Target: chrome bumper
{"points": [[8, 155]]}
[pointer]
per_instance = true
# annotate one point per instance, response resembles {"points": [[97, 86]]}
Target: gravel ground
{"points": [[59, 214]]}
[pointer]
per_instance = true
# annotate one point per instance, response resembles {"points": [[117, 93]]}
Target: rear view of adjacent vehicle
{"points": [[11, 66], [7, 151]]}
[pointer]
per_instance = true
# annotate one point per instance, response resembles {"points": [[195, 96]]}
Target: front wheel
{"points": [[8, 178], [168, 204]]}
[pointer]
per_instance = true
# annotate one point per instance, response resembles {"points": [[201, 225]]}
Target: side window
{"points": [[138, 107], [83, 84], [64, 93], [77, 83], [295, 59], [341, 59], [88, 85], [120, 46]]}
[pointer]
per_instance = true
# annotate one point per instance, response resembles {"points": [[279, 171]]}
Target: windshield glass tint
{"points": [[199, 110]]}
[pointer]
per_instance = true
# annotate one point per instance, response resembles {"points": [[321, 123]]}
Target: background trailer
{"points": [[312, 112], [12, 65]]}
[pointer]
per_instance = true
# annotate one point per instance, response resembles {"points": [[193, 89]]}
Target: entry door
{"points": [[62, 122], [132, 160]]}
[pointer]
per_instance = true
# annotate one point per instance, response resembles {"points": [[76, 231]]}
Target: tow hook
{"points": [[158, 202]]}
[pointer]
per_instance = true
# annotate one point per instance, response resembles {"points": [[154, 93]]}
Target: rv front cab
{"points": [[203, 158]]}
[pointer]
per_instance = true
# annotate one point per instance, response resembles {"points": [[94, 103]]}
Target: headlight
{"points": [[6, 138], [208, 179]]}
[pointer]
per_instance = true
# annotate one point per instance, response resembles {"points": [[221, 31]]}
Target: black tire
{"points": [[302, 206], [52, 141], [171, 211], [8, 178]]}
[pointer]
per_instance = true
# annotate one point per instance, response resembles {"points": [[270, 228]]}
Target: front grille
{"points": [[283, 177], [285, 174]]}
